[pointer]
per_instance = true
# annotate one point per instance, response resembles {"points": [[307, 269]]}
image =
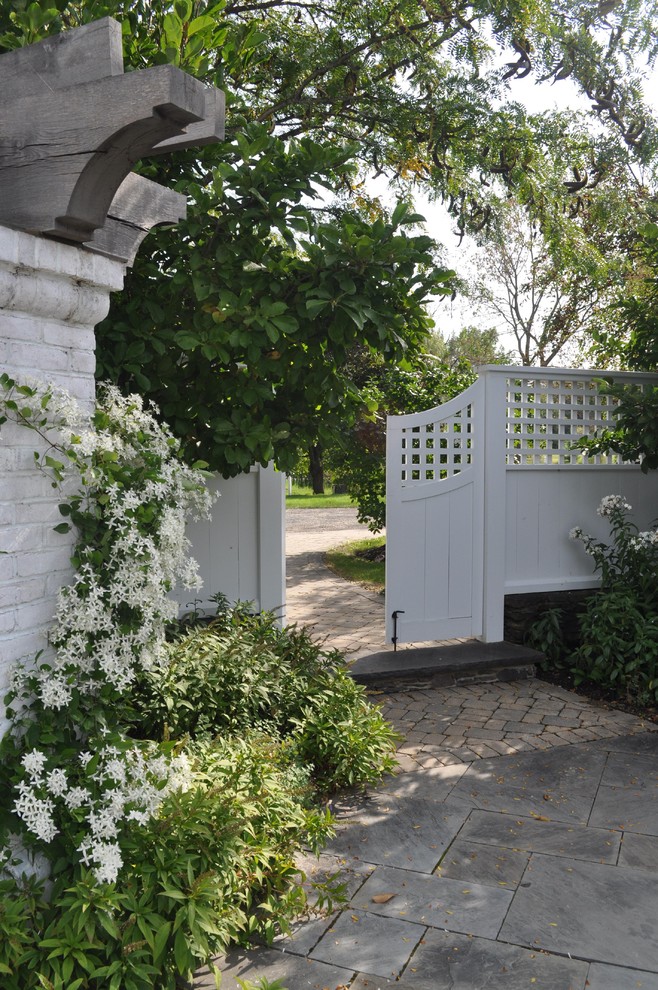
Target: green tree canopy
{"points": [[472, 344], [636, 432], [425, 88], [237, 323]]}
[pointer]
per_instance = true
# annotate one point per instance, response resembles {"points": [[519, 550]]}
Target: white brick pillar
{"points": [[51, 297]]}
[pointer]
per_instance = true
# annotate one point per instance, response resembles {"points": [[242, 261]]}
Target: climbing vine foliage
{"points": [[76, 779]]}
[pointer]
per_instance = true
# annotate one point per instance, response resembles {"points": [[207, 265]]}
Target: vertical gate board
{"points": [[434, 520], [436, 557]]}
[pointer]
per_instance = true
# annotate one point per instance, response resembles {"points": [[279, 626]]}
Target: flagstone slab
{"points": [[474, 908], [535, 835], [365, 942], [304, 935], [332, 871], [642, 743], [596, 912], [432, 785], [455, 962], [639, 852], [295, 972], [631, 809], [559, 783], [601, 977], [482, 863], [411, 833], [631, 770]]}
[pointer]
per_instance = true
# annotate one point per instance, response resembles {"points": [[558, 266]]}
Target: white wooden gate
{"points": [[434, 520], [481, 494]]}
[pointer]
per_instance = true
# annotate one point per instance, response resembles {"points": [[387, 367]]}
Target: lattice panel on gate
{"points": [[546, 417], [439, 449]]}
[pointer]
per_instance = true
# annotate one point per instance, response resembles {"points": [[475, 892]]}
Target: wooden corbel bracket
{"points": [[73, 125]]}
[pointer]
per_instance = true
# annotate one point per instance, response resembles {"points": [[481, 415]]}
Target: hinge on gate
{"points": [[394, 637]]}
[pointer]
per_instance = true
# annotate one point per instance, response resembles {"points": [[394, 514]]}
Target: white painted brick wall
{"points": [[51, 297]]}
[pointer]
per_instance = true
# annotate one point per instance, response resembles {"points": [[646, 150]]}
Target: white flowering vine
{"points": [[77, 778]]}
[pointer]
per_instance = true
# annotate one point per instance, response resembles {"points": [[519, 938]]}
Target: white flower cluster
{"points": [[110, 622], [610, 502], [132, 783], [648, 538], [140, 784]]}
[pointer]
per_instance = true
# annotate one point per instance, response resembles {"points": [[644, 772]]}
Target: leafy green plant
{"points": [[343, 737], [216, 867], [241, 672], [545, 635], [619, 627], [134, 847], [619, 647]]}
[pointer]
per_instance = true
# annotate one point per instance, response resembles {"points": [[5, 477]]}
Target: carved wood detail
{"points": [[73, 125]]}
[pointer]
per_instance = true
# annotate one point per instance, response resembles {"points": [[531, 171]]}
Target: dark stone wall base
{"points": [[522, 611]]}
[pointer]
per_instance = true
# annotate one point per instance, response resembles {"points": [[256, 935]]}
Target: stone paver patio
{"points": [[517, 846]]}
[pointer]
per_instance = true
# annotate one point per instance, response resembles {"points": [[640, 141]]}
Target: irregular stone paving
{"points": [[516, 848], [443, 726]]}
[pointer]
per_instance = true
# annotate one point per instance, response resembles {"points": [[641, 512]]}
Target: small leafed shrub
{"points": [[619, 627], [545, 635], [215, 868], [241, 672]]}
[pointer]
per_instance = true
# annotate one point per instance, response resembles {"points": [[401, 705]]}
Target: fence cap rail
{"points": [[595, 374]]}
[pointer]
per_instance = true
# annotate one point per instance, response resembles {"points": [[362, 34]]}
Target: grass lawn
{"points": [[303, 498], [346, 562]]}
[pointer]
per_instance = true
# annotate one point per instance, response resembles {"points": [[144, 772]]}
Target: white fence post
{"points": [[494, 493]]}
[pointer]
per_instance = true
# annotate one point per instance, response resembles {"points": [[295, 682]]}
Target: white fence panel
{"points": [[483, 491], [240, 550], [541, 509]]}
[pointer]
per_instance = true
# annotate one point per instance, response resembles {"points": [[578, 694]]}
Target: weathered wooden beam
{"points": [[139, 205], [70, 59], [208, 131], [73, 125]]}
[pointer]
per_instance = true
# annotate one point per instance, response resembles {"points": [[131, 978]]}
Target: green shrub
{"points": [[343, 738], [545, 635], [619, 647], [163, 809], [242, 671], [216, 867], [619, 627]]}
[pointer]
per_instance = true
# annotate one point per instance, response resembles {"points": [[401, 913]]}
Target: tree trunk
{"points": [[316, 469]]}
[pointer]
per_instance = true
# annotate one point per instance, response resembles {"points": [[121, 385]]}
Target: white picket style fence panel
{"points": [[241, 548], [483, 491]]}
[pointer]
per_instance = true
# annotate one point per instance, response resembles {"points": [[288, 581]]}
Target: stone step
{"points": [[443, 665]]}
